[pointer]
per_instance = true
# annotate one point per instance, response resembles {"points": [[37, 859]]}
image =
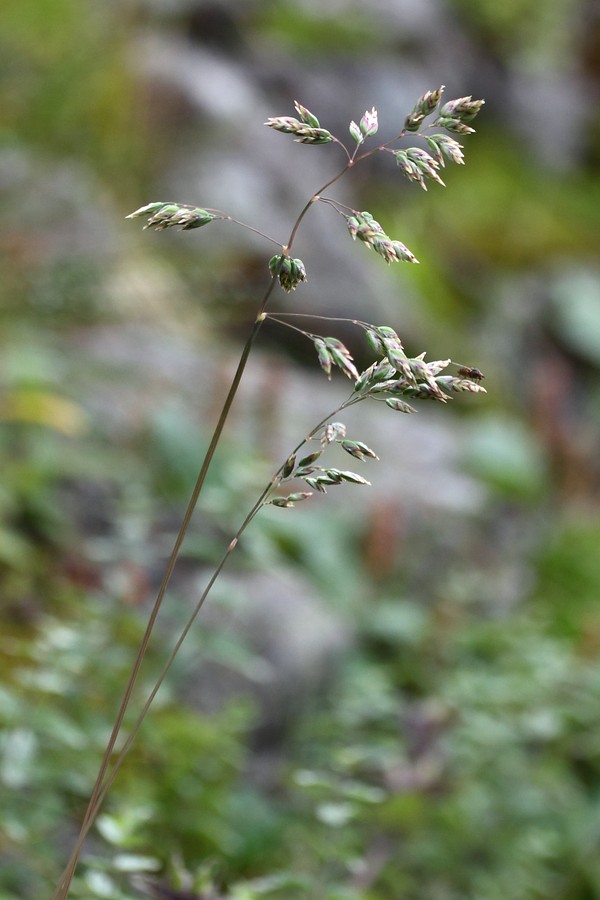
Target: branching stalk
{"points": [[391, 379]]}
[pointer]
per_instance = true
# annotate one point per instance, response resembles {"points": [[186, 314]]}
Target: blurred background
{"points": [[394, 692]]}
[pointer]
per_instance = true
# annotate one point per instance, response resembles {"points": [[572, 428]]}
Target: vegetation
{"points": [[449, 749]]}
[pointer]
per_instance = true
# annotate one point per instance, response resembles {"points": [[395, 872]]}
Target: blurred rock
{"points": [[295, 639]]}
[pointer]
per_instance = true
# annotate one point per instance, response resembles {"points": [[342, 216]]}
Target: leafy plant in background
{"points": [[394, 379]]}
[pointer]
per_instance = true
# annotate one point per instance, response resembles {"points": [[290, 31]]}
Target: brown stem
{"points": [[98, 791], [104, 786], [93, 802]]}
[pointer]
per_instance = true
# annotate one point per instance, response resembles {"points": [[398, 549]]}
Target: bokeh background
{"points": [[394, 692]]}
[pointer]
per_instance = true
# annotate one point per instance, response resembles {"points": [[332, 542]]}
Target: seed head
{"points": [[290, 272], [424, 106], [463, 108], [442, 145], [363, 226], [171, 215], [369, 123], [305, 133]]}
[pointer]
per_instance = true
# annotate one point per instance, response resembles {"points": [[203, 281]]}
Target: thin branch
{"points": [[344, 148], [273, 318], [336, 203], [251, 228], [322, 318]]}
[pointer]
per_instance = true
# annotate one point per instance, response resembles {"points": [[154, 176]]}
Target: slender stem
{"points": [[93, 802], [344, 148], [109, 779], [313, 199], [381, 147], [336, 203], [322, 318], [273, 318], [98, 791], [251, 228]]}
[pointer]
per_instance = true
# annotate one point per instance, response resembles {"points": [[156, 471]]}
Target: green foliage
{"points": [[455, 755], [67, 89], [532, 30], [287, 24], [471, 760], [466, 754], [56, 707], [505, 455], [569, 574], [576, 302]]}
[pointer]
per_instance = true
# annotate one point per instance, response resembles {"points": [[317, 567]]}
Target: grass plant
{"points": [[394, 379]]}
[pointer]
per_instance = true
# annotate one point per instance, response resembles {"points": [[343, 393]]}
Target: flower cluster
{"points": [[445, 147], [395, 378], [290, 500], [290, 272], [367, 126], [455, 114], [363, 226], [317, 477], [171, 215], [331, 351], [307, 128], [424, 106], [397, 375], [417, 165]]}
